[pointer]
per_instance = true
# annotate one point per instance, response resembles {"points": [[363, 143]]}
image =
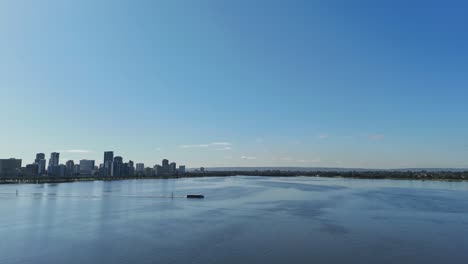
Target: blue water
{"points": [[241, 220]]}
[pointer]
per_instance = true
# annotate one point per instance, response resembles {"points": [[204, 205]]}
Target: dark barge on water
{"points": [[195, 196]]}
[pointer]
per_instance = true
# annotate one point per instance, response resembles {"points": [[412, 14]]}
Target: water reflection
{"points": [[242, 219]]}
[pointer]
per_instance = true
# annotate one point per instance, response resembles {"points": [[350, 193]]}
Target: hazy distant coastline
{"points": [[402, 174]]}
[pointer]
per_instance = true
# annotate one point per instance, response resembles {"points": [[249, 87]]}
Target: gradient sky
{"points": [[236, 83]]}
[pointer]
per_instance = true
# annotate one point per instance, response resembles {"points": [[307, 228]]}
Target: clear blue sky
{"points": [[236, 83]]}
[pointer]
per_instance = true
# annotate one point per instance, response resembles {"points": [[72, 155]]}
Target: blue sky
{"points": [[237, 83]]}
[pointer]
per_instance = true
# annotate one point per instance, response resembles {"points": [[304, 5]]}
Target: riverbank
{"points": [[397, 175]]}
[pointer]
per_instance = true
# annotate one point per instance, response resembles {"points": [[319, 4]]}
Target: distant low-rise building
{"points": [[181, 170], [58, 171], [86, 167], [76, 169], [140, 169], [149, 172], [31, 170]]}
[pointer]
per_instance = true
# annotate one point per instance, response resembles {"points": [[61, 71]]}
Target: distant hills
{"points": [[325, 169]]}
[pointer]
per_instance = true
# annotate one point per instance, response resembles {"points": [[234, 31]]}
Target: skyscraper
{"points": [[40, 156], [131, 168], [172, 168], [53, 162], [41, 163], [165, 167], [108, 159], [117, 165], [70, 167]]}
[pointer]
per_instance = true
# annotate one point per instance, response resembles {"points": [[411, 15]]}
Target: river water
{"points": [[242, 220]]}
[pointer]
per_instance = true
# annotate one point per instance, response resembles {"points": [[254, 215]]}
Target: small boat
{"points": [[195, 196]]}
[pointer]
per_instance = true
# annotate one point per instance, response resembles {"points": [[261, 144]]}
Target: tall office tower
{"points": [[125, 169], [117, 164], [41, 163], [172, 168], [54, 160], [131, 168], [108, 159], [86, 167], [165, 166], [181, 170], [70, 167]]}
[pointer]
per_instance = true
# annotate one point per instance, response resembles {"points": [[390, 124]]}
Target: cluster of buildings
{"points": [[111, 167]]}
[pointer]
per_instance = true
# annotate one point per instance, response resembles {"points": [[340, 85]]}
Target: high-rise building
{"points": [[54, 160], [172, 168], [117, 164], [41, 163], [108, 159], [86, 167], [165, 168], [10, 167], [131, 168], [70, 167]]}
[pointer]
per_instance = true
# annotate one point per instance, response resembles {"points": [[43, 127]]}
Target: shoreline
{"points": [[419, 176]]}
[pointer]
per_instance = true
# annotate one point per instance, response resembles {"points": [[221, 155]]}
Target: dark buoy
{"points": [[195, 196]]}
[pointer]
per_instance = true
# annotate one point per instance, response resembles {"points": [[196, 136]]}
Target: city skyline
{"points": [[111, 166], [228, 84]]}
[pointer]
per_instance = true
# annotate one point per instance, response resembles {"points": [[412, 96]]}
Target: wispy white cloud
{"points": [[376, 136], [225, 145], [248, 158], [308, 161], [74, 151], [220, 144], [225, 148], [323, 136], [195, 146]]}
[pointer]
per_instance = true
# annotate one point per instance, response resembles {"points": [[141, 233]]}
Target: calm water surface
{"points": [[241, 220]]}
